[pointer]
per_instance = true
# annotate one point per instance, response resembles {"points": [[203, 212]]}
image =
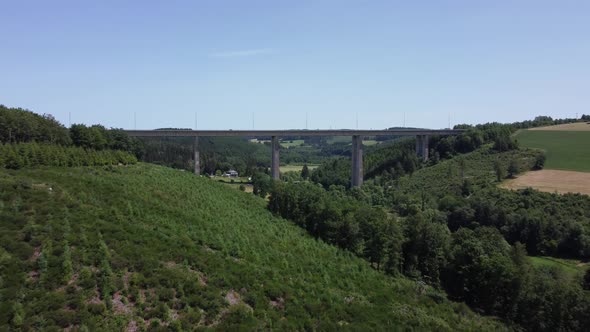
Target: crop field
{"points": [[552, 181], [566, 150], [296, 168], [577, 126], [288, 144]]}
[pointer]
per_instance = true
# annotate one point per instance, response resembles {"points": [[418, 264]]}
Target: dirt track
{"points": [[578, 126], [552, 181]]}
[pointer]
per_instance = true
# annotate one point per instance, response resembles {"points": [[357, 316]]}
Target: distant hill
{"points": [[134, 247]]}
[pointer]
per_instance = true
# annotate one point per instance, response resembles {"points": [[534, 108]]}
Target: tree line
{"points": [[28, 139], [21, 155]]}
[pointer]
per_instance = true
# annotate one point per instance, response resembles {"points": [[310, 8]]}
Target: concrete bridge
{"points": [[421, 135]]}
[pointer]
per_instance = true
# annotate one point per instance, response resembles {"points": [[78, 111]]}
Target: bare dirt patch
{"points": [[233, 297], [577, 126], [119, 307], [36, 254], [278, 303], [552, 181], [132, 326]]}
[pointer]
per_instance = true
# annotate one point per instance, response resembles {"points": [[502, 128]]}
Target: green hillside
{"points": [[566, 150], [477, 167], [146, 246]]}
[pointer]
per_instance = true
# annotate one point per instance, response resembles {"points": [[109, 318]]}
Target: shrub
{"points": [[96, 308], [540, 161]]}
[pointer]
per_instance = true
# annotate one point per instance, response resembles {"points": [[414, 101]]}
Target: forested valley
{"points": [[92, 240], [445, 222]]}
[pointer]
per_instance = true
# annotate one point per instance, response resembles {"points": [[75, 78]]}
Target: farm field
{"points": [[288, 144], [370, 142], [577, 126], [296, 168], [348, 139], [566, 150], [552, 181]]}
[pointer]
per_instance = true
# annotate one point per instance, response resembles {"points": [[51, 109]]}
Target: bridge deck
{"points": [[298, 132]]}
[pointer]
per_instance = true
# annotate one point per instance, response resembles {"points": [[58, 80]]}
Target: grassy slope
{"points": [[445, 176], [566, 150], [168, 232], [296, 168], [571, 267]]}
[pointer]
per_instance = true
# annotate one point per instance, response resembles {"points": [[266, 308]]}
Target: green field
{"points": [[296, 168], [293, 143], [120, 248], [570, 267], [370, 142], [566, 150]]}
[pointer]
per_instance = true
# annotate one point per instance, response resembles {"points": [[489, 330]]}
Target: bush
{"points": [[513, 168], [540, 161], [96, 308]]}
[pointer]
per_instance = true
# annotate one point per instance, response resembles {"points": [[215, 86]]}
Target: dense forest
{"points": [[445, 222], [28, 139]]}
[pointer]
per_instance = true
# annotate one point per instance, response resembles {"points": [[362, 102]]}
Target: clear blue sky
{"points": [[103, 61]]}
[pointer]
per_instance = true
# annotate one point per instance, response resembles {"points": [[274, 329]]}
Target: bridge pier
{"points": [[357, 161], [275, 171], [422, 146], [197, 156]]}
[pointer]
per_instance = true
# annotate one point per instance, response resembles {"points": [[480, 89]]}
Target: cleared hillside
{"points": [[118, 248], [477, 167]]}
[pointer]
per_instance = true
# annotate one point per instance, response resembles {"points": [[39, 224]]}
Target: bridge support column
{"points": [[419, 145], [425, 147], [357, 161], [275, 171], [197, 156], [422, 146]]}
